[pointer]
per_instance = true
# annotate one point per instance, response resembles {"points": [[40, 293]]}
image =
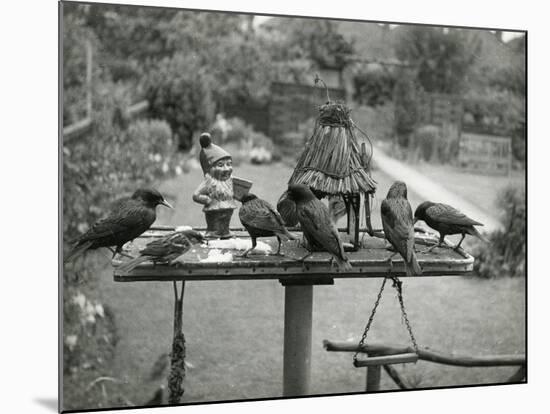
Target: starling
{"points": [[317, 225], [127, 220], [397, 221], [165, 249], [260, 219], [447, 220]]}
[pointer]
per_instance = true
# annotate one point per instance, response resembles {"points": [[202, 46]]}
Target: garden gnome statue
{"points": [[215, 192]]}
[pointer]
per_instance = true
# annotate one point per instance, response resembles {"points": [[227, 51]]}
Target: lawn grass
{"points": [[234, 329], [477, 188]]}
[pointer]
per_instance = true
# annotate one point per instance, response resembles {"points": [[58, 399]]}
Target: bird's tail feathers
{"points": [[343, 264], [412, 268], [480, 236], [77, 251], [132, 264]]}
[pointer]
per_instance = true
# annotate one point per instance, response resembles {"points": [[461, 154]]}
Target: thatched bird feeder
{"points": [[333, 163]]}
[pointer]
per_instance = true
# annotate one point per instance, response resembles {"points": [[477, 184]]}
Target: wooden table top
{"points": [[369, 261]]}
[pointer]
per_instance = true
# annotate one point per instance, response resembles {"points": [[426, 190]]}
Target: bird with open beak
{"points": [[260, 219], [128, 219], [317, 224], [397, 222], [447, 220]]}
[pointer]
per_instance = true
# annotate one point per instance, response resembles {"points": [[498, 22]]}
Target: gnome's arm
{"points": [[201, 194]]}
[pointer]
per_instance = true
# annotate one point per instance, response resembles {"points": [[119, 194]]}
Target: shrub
{"points": [[435, 144], [377, 122], [506, 253], [155, 133], [374, 87], [407, 95], [246, 142], [498, 112], [291, 144], [178, 92]]}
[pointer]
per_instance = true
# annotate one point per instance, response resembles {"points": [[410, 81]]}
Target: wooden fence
{"points": [[78, 129]]}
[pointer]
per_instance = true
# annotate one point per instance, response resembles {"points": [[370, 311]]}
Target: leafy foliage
{"points": [[442, 56], [407, 95], [498, 112], [506, 253], [374, 87], [178, 93], [315, 40]]}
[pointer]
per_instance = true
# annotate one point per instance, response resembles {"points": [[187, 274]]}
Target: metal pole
{"points": [[297, 341], [373, 378]]}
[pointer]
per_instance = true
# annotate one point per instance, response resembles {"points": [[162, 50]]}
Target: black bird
{"points": [[165, 249], [260, 219], [127, 220], [447, 220], [397, 222], [317, 225]]}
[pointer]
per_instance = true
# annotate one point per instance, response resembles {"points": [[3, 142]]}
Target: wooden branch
{"points": [[76, 129], [70, 132], [137, 109], [394, 375], [429, 355], [387, 359]]}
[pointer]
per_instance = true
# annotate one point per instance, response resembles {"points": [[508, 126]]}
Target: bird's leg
{"points": [[460, 242], [245, 254], [279, 247], [119, 251], [441, 243], [390, 261], [113, 251], [303, 258]]}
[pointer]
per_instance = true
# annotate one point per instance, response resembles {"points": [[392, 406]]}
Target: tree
{"points": [[441, 56], [178, 93], [317, 40]]}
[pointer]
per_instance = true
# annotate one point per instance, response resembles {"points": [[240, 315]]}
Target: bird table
{"points": [[297, 278]]}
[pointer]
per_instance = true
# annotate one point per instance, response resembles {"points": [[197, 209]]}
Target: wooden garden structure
{"points": [[297, 279], [385, 352], [334, 164]]}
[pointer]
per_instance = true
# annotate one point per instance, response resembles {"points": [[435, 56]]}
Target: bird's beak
{"points": [[166, 203]]}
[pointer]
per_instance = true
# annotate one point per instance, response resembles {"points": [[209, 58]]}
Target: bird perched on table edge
{"points": [[128, 219], [260, 219], [317, 224], [447, 220], [397, 222], [165, 249]]}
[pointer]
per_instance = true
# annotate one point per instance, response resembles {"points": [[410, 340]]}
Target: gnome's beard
{"points": [[221, 193]]}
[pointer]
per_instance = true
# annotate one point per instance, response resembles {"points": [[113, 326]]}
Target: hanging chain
{"points": [[398, 285], [371, 317]]}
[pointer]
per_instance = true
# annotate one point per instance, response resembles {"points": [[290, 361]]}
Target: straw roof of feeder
{"points": [[331, 162]]}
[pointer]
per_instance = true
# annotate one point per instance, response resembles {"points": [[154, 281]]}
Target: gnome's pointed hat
{"points": [[210, 153]]}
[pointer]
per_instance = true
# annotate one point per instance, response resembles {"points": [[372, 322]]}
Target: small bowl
{"points": [[241, 187]]}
